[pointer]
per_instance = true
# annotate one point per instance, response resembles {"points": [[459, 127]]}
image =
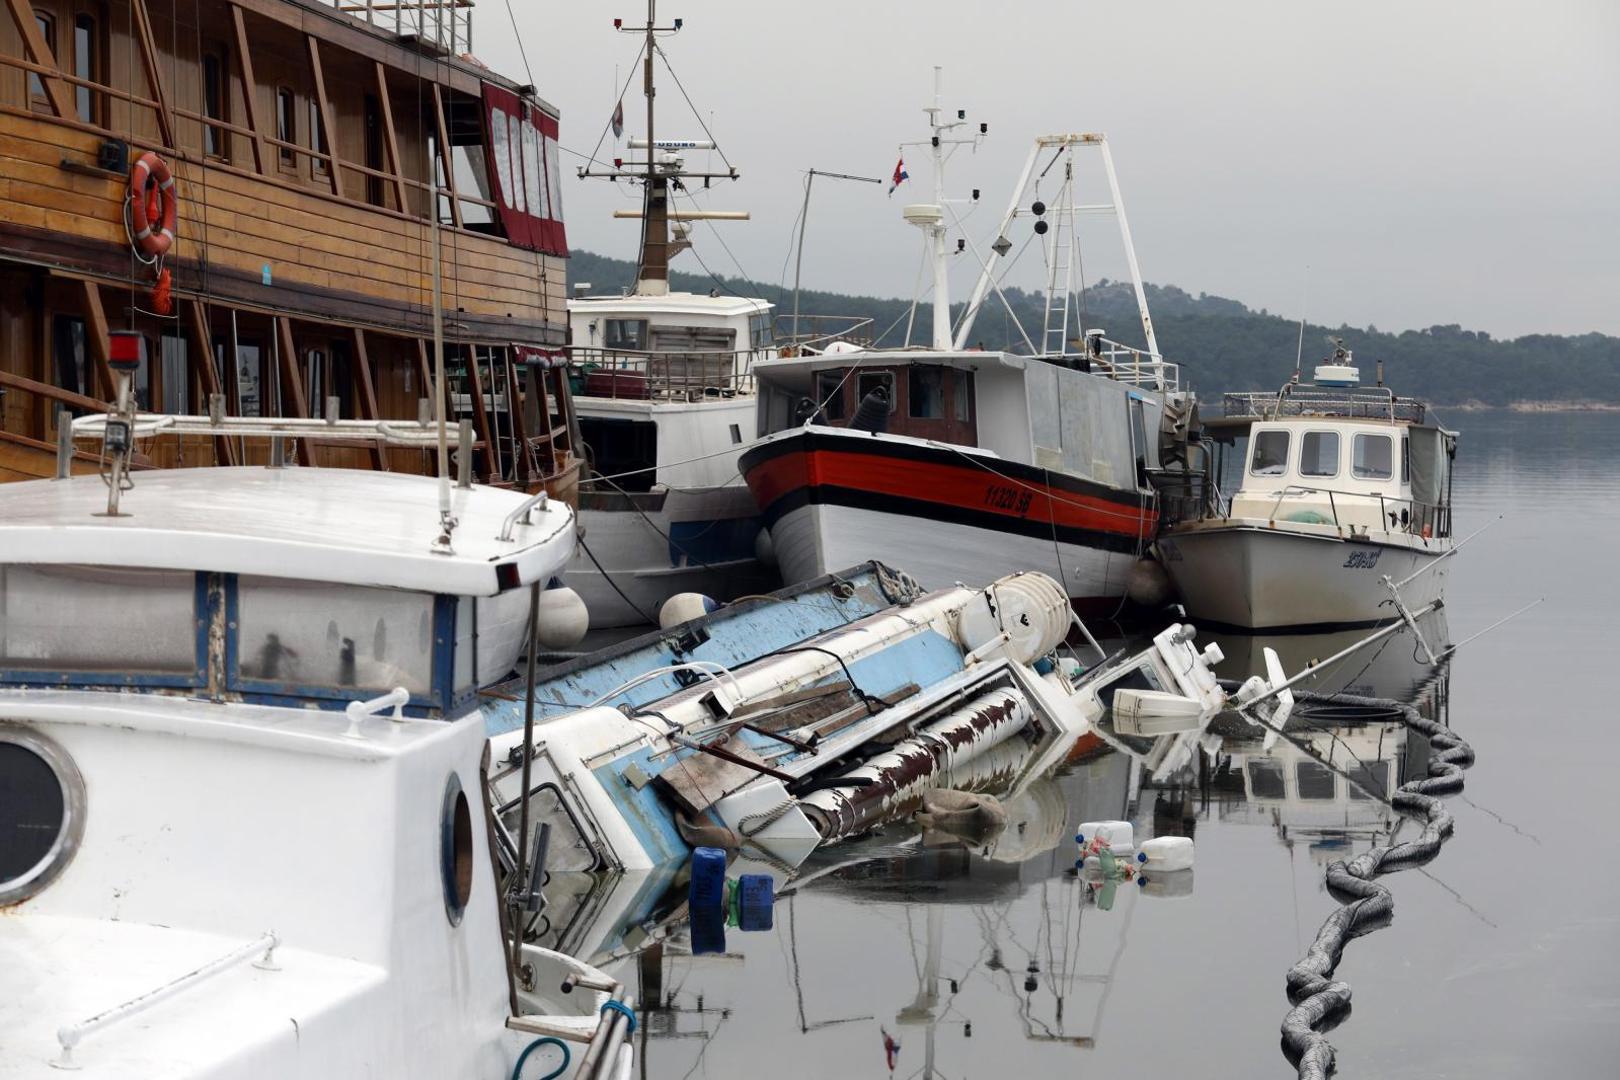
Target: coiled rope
{"points": [[1318, 998]]}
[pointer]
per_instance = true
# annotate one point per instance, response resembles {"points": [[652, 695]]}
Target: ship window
{"points": [[96, 619], [1370, 780], [964, 395], [1373, 458], [1319, 453], [317, 127], [926, 392], [759, 330], [315, 634], [214, 104], [630, 334], [286, 124], [867, 381], [47, 32], [455, 850], [1270, 454], [830, 393], [1406, 457], [176, 374], [67, 345], [1315, 780], [85, 65], [1266, 779], [41, 812]]}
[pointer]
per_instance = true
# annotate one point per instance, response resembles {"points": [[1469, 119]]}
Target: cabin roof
{"points": [[344, 526], [675, 303]]}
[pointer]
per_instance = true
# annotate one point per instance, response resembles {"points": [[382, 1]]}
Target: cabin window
{"points": [[62, 619], [1406, 457], [627, 334], [830, 393], [1266, 779], [1373, 458], [1139, 438], [41, 812], [1315, 780], [36, 86], [1369, 780], [622, 446], [214, 104], [317, 127], [374, 149], [287, 126], [868, 381], [68, 347], [926, 392], [86, 65], [176, 374], [1319, 453], [315, 634], [964, 395], [759, 330], [1270, 454]]}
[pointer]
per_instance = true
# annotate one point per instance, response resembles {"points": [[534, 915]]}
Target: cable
{"points": [[670, 68], [607, 577]]}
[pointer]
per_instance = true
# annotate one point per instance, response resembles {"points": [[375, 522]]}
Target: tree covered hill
{"points": [[1222, 344]]}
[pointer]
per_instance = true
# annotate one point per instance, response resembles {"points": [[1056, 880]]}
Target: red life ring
{"points": [[153, 205]]}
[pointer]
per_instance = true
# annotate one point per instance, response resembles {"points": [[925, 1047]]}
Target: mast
{"points": [[652, 271], [930, 217]]}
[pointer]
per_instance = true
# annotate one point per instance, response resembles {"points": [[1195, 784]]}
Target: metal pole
{"points": [[798, 263], [522, 876], [1130, 248], [447, 524]]}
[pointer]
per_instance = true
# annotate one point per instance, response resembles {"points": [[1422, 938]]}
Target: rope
{"points": [[613, 584], [544, 1040], [614, 1005], [1319, 1000]]}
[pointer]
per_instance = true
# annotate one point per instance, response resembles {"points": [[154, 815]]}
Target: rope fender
{"points": [[1318, 999]]}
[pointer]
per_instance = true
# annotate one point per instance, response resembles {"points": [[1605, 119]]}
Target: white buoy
{"points": [[563, 620], [684, 606], [1148, 584], [1027, 612]]}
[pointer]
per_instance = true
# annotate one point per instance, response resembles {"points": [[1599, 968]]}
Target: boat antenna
{"points": [[804, 223], [1304, 300]]}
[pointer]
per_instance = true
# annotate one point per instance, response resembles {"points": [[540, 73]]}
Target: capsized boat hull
{"points": [[1257, 576]]}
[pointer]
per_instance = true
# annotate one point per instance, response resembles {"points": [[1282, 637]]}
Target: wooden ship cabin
{"points": [[317, 149]]}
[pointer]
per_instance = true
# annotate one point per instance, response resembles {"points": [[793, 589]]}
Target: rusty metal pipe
{"points": [[948, 742]]}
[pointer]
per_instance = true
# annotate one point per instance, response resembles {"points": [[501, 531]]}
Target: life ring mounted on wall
{"points": [[154, 206]]}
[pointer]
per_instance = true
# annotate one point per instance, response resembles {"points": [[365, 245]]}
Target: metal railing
{"points": [[445, 23], [1397, 514], [816, 332], [1187, 496], [664, 375], [1349, 402], [1126, 364]]}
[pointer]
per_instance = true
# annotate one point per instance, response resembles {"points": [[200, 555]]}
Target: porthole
{"points": [[41, 812], [455, 850]]}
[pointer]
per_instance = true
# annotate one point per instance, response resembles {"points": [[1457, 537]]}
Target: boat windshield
{"points": [[1374, 457], [1270, 454], [1319, 454]]}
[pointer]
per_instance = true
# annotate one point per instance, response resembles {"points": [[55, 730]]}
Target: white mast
{"points": [[930, 217]]}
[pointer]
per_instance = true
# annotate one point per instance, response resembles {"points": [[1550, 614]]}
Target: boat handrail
{"points": [[1410, 515], [356, 711], [537, 500], [70, 1035], [1303, 400], [663, 374], [1128, 364], [445, 23], [824, 329]]}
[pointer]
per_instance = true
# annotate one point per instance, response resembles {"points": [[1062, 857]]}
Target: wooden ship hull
{"points": [[317, 158]]}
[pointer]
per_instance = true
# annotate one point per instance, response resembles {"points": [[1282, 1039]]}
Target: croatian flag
{"points": [[900, 175]]}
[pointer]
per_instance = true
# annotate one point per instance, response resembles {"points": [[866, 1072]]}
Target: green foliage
{"points": [[1223, 345]]}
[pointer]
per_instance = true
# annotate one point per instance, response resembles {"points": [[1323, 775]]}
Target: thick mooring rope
{"points": [[1317, 998]]}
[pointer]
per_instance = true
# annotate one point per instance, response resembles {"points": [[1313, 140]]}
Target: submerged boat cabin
{"points": [[303, 156]]}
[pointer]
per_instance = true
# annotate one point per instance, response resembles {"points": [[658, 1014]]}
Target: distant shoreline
{"points": [[1535, 407]]}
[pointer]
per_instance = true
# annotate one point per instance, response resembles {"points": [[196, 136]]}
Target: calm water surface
{"points": [[991, 960]]}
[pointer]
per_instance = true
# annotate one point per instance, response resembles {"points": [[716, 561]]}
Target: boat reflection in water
{"points": [[926, 953]]}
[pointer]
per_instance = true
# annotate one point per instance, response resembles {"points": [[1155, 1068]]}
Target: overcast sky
{"points": [[1431, 162]]}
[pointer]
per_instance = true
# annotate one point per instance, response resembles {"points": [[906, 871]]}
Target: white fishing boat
{"points": [[1346, 490], [962, 464], [243, 827], [664, 394]]}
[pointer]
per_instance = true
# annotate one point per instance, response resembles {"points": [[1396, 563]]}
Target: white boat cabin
{"points": [[1046, 412], [660, 380], [1359, 460]]}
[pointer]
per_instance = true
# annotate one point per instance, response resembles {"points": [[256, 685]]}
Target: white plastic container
{"points": [[1121, 838], [1166, 853]]}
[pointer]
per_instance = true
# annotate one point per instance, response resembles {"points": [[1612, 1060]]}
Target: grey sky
{"points": [[1431, 162]]}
